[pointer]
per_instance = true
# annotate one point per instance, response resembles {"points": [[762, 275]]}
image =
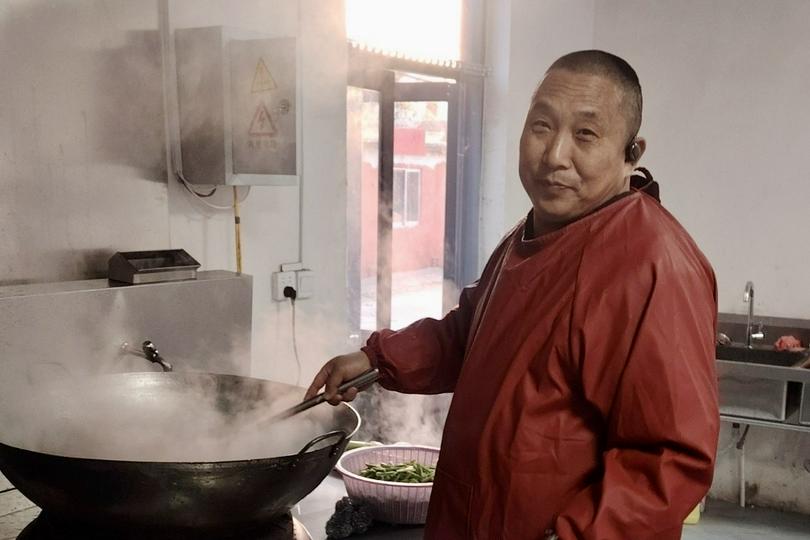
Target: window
{"points": [[407, 191], [388, 25]]}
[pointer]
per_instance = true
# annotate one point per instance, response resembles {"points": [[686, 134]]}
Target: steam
{"points": [[159, 418], [386, 416], [391, 417]]}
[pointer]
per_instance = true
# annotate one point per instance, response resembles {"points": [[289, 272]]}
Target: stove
{"points": [[45, 527]]}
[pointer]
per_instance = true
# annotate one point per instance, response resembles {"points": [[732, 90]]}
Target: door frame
{"points": [[382, 80]]}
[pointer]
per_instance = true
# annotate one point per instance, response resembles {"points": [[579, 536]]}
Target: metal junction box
{"points": [[238, 101]]}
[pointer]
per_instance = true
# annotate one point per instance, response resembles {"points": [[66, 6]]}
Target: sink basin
{"points": [[758, 397], [753, 397], [762, 355]]}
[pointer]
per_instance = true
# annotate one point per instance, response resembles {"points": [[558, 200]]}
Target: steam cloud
{"points": [[391, 417], [158, 417]]}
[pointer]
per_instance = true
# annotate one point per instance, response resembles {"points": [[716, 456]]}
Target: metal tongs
{"points": [[361, 381]]}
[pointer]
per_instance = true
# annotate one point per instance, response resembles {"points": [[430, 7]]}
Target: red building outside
{"points": [[420, 162]]}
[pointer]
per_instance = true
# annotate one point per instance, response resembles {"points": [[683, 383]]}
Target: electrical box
{"points": [[238, 107]]}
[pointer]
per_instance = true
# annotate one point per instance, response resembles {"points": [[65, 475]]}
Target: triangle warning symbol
{"points": [[262, 124], [262, 80]]}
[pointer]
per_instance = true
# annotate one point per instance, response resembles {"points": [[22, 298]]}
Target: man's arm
{"points": [[660, 405]]}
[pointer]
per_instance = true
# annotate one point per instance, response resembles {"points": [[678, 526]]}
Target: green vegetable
{"points": [[410, 472]]}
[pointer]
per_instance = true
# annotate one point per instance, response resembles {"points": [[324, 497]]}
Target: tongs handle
{"points": [[359, 382]]}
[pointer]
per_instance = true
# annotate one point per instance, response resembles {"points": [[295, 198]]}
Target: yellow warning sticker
{"points": [[263, 80], [262, 125]]}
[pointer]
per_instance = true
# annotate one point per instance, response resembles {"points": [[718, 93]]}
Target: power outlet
{"points": [[281, 280]]}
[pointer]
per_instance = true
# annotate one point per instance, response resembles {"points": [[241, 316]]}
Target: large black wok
{"points": [[64, 461]]}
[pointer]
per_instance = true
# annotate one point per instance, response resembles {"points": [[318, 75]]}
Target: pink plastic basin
{"points": [[391, 502]]}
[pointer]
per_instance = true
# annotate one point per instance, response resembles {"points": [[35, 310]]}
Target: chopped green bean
{"points": [[410, 472]]}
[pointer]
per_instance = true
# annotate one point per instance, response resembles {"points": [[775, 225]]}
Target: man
{"points": [[582, 361]]}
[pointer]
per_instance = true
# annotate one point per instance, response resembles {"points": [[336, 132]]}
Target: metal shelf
{"points": [[764, 423], [763, 371]]}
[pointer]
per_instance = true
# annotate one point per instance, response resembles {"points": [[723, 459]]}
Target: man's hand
{"points": [[335, 372]]}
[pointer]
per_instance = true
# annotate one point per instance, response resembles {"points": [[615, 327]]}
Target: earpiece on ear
{"points": [[633, 152]]}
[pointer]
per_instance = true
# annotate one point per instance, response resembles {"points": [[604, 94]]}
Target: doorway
{"points": [[402, 208]]}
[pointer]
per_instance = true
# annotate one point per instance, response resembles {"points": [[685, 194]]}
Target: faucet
{"points": [[748, 296], [148, 351]]}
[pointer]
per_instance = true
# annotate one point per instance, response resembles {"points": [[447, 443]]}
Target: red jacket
{"points": [[582, 364]]}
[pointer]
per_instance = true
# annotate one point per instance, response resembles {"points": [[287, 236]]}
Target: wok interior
{"points": [[164, 417]]}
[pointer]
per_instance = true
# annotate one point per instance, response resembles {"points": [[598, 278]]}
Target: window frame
{"points": [[406, 223]]}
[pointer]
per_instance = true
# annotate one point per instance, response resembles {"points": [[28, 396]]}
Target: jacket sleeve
{"points": [[426, 356], [647, 371]]}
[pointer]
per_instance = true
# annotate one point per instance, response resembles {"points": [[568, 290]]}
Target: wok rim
{"points": [[205, 464], [200, 464]]}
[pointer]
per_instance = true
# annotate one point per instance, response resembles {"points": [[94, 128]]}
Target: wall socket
{"points": [[279, 281]]}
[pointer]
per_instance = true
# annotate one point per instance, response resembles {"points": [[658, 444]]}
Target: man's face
{"points": [[572, 147]]}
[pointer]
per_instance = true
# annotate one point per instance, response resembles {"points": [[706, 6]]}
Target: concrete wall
{"points": [[725, 88]]}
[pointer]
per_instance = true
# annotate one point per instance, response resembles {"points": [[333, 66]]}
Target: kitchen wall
{"points": [[725, 115], [271, 228], [82, 164]]}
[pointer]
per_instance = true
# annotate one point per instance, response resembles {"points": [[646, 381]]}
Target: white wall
{"points": [[81, 162], [270, 215], [726, 117]]}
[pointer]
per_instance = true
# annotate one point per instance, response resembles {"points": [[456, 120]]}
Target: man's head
{"points": [[576, 149]]}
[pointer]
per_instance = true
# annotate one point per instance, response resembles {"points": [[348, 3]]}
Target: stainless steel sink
{"points": [[738, 352], [747, 388]]}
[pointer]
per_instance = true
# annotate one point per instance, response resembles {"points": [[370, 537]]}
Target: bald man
{"points": [[582, 360]]}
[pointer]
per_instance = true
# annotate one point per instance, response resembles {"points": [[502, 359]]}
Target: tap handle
{"points": [[150, 350], [153, 355]]}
